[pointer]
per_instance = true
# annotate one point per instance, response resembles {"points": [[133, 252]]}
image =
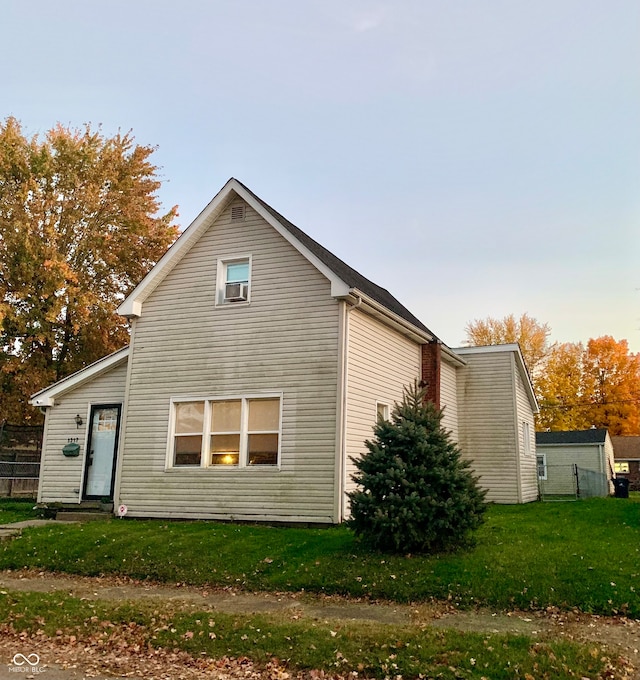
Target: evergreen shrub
{"points": [[415, 493]]}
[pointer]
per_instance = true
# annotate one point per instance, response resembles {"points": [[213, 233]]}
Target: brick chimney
{"points": [[431, 359]]}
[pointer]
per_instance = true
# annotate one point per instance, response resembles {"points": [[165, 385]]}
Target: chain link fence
{"points": [[570, 482]]}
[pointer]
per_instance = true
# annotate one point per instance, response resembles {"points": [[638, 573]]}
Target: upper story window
{"points": [[240, 432], [234, 280]]}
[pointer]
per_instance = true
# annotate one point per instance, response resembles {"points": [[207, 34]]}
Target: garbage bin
{"points": [[621, 487]]}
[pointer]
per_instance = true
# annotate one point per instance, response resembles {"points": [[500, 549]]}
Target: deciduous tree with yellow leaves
{"points": [[80, 225], [577, 386], [529, 333]]}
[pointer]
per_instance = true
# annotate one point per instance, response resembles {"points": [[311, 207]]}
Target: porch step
{"points": [[79, 516]]}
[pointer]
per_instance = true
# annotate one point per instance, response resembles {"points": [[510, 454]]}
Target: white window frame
{"points": [[618, 467], [526, 438], [221, 280], [385, 408], [544, 463], [205, 453]]}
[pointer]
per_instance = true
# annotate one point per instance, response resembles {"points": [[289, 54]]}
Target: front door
{"points": [[102, 447]]}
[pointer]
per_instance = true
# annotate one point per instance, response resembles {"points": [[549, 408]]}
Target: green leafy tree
{"points": [[80, 225], [415, 492]]}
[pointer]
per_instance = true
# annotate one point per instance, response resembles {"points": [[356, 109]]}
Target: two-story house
{"points": [[258, 365]]}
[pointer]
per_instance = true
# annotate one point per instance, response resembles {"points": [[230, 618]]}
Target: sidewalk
{"points": [[15, 528]]}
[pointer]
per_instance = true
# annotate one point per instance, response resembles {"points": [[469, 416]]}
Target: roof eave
{"points": [[132, 306], [47, 397], [358, 299]]}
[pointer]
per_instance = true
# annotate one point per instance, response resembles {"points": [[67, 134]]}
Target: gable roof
{"points": [[346, 273], [345, 281], [626, 447], [46, 396], [592, 436]]}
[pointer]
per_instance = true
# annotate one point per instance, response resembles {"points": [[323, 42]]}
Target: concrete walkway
{"points": [[15, 528]]}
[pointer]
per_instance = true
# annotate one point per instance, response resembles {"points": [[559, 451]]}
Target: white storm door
{"points": [[101, 451]]}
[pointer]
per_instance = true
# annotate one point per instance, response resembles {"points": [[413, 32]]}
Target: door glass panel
{"points": [[101, 456]]}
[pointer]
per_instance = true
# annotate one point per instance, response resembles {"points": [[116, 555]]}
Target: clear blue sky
{"points": [[476, 157]]}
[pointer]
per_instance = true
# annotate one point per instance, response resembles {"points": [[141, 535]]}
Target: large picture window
{"points": [[238, 432]]}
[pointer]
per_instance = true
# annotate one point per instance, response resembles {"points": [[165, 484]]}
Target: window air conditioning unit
{"points": [[236, 292]]}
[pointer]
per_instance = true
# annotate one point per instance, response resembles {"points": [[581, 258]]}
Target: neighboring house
{"points": [[626, 451], [258, 365], [576, 462]]}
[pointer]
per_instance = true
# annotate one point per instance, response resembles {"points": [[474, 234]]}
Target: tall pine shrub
{"points": [[415, 494]]}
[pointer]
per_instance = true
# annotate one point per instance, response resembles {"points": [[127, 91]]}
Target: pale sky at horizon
{"points": [[477, 158]]}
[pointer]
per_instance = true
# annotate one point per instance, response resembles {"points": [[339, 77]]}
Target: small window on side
{"points": [[541, 461], [382, 411], [233, 284], [526, 437]]}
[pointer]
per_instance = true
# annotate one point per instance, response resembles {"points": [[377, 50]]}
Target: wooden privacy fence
{"points": [[20, 451]]}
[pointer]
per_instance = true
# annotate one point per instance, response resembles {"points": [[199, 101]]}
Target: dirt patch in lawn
{"points": [[619, 634]]}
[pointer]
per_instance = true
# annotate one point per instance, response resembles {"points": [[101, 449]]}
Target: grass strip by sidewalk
{"points": [[17, 509], [374, 650], [583, 555]]}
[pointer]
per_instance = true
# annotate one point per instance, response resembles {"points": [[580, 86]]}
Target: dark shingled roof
{"points": [[626, 448], [573, 437], [343, 271]]}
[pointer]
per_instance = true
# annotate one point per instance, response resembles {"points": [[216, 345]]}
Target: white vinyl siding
{"points": [[449, 398], [184, 347], [487, 424], [560, 457], [60, 477], [528, 469], [380, 362]]}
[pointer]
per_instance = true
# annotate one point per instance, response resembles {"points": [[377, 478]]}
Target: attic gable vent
{"points": [[237, 212]]}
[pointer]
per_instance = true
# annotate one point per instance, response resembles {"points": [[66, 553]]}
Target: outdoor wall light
{"points": [[78, 421]]}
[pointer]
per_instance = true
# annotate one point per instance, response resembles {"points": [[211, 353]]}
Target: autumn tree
{"points": [[597, 385], [530, 334], [559, 389], [80, 225], [612, 385]]}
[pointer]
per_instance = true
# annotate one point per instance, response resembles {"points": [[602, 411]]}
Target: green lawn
{"points": [[17, 509], [374, 650], [584, 554]]}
